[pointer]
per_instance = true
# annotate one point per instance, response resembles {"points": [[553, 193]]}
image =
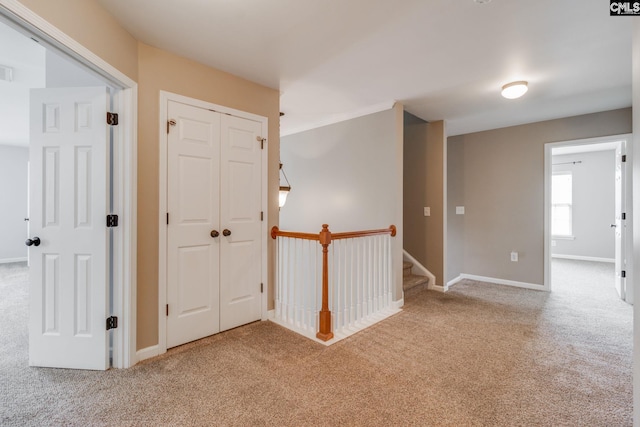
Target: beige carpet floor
{"points": [[479, 355]]}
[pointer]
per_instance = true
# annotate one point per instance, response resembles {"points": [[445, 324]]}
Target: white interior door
{"points": [[69, 160], [193, 269], [241, 182], [214, 246], [619, 224]]}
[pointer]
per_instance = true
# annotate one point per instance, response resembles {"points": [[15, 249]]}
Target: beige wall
{"points": [[160, 70], [154, 70], [502, 192], [90, 25], [424, 156]]}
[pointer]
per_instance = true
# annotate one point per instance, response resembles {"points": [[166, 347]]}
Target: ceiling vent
{"points": [[6, 73]]}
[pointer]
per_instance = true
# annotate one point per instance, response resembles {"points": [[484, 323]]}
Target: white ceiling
{"points": [[443, 59]]}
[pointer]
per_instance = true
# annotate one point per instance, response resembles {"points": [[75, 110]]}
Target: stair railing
{"points": [[361, 279]]}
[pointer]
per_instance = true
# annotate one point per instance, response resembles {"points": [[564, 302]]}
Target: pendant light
{"points": [[284, 189]]}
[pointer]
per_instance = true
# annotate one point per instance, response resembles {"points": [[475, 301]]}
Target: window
{"points": [[562, 204]]}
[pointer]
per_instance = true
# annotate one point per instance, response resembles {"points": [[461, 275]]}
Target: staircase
{"points": [[412, 283]]}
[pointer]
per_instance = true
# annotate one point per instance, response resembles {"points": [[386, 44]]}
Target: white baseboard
{"points": [[148, 353], [271, 314], [583, 258], [454, 281], [8, 260], [397, 305], [501, 282], [438, 288]]}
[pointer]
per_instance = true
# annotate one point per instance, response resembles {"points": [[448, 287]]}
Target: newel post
{"points": [[325, 333]]}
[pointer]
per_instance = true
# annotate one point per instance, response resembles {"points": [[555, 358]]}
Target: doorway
{"points": [[213, 229], [85, 69], [587, 210]]}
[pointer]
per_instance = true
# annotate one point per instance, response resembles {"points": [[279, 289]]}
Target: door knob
{"points": [[226, 232], [35, 242], [214, 233]]}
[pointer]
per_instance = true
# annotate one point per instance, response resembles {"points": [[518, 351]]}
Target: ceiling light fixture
{"points": [[514, 90], [482, 1], [284, 190]]}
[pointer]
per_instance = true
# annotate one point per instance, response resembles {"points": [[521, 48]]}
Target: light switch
{"points": [[427, 211], [514, 256], [459, 210]]}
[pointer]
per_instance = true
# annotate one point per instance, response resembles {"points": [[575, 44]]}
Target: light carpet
{"points": [[479, 355]]}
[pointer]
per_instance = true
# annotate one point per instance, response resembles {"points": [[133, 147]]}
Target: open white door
{"points": [[69, 161], [620, 224]]}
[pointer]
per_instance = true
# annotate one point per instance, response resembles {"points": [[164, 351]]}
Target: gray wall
{"points": [[424, 161], [593, 204], [13, 193], [347, 175], [503, 193]]}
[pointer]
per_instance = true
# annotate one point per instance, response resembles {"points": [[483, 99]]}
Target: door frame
{"points": [[626, 196], [123, 344], [165, 97]]}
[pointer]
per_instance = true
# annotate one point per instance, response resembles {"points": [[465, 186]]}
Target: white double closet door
{"points": [[214, 180]]}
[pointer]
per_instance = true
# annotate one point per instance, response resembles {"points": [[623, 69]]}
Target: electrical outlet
{"points": [[514, 256], [427, 211]]}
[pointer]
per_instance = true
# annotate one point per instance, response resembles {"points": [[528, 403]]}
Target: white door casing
{"points": [[214, 242], [125, 171], [193, 208], [240, 179], [68, 201], [619, 224]]}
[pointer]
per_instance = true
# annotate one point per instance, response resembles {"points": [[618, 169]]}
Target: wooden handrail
{"points": [[276, 232], [352, 234], [325, 237]]}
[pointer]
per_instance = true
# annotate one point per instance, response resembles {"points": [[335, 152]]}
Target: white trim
{"points": [[505, 282], [452, 282], [583, 258], [343, 333], [124, 304], [165, 97], [397, 305], [9, 260], [341, 117], [147, 353], [422, 269]]}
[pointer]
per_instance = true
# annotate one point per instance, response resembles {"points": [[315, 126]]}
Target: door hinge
{"points": [[167, 309], [623, 274], [167, 218], [261, 215], [261, 288], [624, 158], [170, 123], [112, 322], [112, 119], [261, 140], [624, 215], [112, 220]]}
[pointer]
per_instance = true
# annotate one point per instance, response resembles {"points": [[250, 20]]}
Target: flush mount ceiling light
{"points": [[514, 90], [482, 1]]}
